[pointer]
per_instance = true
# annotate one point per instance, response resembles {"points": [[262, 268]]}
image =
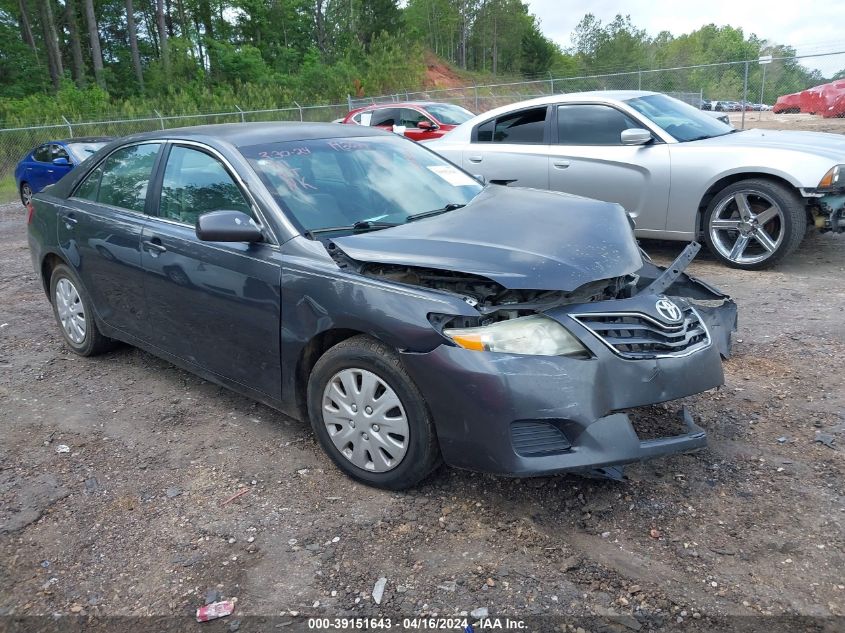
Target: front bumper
{"points": [[477, 398]]}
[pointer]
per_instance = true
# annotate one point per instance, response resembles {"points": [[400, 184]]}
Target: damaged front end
{"points": [[559, 368]]}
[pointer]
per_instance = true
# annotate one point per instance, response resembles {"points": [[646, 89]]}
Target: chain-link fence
{"points": [[744, 89]]}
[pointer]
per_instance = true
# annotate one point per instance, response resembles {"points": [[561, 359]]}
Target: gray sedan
{"points": [[679, 172], [351, 277]]}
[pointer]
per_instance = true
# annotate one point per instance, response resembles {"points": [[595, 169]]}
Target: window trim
{"points": [[547, 128]]}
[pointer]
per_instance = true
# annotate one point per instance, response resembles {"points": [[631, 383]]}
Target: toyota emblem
{"points": [[668, 310]]}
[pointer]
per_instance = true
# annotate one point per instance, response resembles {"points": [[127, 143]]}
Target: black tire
{"points": [[93, 342], [26, 193], [789, 226], [362, 352]]}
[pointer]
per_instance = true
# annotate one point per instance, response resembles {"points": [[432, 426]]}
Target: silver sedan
{"points": [[680, 173]]}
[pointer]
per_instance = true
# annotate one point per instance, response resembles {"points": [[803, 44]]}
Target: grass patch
{"points": [[8, 189]]}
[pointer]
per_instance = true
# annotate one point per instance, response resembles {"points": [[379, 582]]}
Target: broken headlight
{"points": [[536, 335], [834, 178]]}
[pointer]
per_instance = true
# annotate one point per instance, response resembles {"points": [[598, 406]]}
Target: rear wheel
{"points": [[370, 417], [752, 224], [74, 314], [26, 194]]}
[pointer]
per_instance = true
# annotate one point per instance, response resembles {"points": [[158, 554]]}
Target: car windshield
{"points": [[679, 119], [448, 113], [81, 151], [343, 182]]}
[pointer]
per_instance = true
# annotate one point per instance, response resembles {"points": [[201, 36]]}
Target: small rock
{"points": [[336, 539], [449, 585], [634, 589], [480, 613], [76, 608], [654, 533], [91, 484], [63, 448], [232, 540], [234, 625], [401, 588], [378, 589], [251, 539], [173, 492], [491, 582], [605, 534], [782, 439]]}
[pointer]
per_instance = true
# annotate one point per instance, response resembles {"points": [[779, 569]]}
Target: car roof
{"points": [[83, 139], [245, 134], [401, 104]]}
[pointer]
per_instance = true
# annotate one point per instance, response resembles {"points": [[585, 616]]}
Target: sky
{"points": [[811, 26]]}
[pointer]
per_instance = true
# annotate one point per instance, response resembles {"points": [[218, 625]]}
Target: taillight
{"points": [[30, 211]]}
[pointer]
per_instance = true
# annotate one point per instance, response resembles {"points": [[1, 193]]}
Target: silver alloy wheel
{"points": [[26, 195], [71, 311], [365, 420], [747, 227]]}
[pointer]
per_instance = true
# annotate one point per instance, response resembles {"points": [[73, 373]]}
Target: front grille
{"points": [[637, 336], [532, 438]]}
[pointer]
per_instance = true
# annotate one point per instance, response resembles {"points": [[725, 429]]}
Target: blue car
{"points": [[47, 163]]}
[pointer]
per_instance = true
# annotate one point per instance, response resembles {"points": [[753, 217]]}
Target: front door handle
{"points": [[475, 159], [154, 247], [561, 164]]}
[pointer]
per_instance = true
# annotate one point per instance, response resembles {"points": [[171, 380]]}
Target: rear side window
{"points": [[411, 117], [42, 154], [525, 126], [591, 125], [195, 183], [122, 179]]}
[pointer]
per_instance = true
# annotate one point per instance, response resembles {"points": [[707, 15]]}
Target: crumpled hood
{"points": [[818, 143], [520, 238]]}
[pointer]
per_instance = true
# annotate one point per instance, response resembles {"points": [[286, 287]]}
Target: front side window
{"points": [[525, 126], [42, 154], [327, 183], [411, 117], [195, 183], [591, 124], [385, 117], [122, 179], [57, 151]]}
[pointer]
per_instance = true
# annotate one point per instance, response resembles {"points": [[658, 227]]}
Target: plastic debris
{"points": [[215, 610], [378, 590], [63, 448], [825, 438]]}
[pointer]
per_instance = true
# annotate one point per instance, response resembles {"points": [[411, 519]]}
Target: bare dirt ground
{"points": [[131, 522], [771, 121]]}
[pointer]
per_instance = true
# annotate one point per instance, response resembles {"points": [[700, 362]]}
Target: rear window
{"points": [[523, 127]]}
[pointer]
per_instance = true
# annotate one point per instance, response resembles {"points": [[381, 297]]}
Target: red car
{"points": [[422, 120]]}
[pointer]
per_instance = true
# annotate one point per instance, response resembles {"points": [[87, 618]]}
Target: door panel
{"points": [[587, 158], [100, 233], [215, 305]]}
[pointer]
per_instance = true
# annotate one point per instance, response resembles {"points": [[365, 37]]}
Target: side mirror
{"points": [[61, 162], [426, 125], [636, 136], [227, 226]]}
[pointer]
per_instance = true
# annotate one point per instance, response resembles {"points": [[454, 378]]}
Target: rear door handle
{"points": [[154, 247], [561, 164], [475, 159], [70, 221]]}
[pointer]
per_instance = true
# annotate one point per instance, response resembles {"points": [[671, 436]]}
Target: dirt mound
{"points": [[438, 74]]}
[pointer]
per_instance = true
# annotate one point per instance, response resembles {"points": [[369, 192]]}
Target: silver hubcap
{"points": [[365, 420], [747, 227], [71, 312], [26, 194]]}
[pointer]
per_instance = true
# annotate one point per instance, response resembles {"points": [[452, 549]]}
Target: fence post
{"points": [[237, 107], [475, 87], [69, 128], [639, 80], [551, 83], [300, 111], [160, 118], [744, 94], [349, 101]]}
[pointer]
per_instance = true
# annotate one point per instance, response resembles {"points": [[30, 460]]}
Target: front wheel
{"points": [[370, 417], [752, 224]]}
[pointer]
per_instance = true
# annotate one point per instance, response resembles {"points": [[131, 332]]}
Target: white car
{"points": [[679, 172]]}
